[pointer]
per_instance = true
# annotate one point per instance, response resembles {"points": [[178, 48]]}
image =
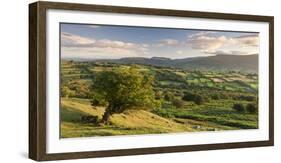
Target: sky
{"points": [[87, 41]]}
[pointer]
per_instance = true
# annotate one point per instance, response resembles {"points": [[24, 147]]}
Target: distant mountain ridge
{"points": [[243, 63]]}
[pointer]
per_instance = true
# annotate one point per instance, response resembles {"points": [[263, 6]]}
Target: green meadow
{"points": [[170, 100]]}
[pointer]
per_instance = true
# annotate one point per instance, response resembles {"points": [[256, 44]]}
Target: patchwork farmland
{"points": [[187, 101]]}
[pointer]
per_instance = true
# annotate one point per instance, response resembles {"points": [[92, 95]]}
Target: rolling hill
{"points": [[130, 122], [243, 63]]}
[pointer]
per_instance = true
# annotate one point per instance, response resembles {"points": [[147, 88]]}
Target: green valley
{"points": [[184, 100]]}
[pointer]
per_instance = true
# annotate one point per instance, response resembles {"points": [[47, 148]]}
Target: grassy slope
{"points": [[213, 115], [131, 122]]}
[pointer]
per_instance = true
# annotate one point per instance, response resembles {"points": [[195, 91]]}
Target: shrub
{"points": [[199, 100], [163, 113], [188, 96], [158, 95], [168, 96], [66, 92], [252, 108], [215, 96], [179, 93], [178, 103], [245, 97], [225, 96], [239, 107], [79, 89], [90, 119]]}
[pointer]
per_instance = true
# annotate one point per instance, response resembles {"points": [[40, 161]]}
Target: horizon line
{"points": [[84, 58]]}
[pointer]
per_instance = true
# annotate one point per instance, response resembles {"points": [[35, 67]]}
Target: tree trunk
{"points": [[106, 116]]}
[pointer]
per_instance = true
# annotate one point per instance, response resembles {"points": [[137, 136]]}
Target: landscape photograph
{"points": [[131, 80]]}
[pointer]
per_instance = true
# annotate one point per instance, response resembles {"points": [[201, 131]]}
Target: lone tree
{"points": [[124, 89]]}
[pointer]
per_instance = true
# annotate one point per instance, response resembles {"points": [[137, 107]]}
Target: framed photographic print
{"points": [[112, 81]]}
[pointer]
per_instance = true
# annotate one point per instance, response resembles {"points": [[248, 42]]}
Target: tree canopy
{"points": [[123, 89]]}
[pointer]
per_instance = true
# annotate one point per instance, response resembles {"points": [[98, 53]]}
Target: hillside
{"points": [[190, 101], [130, 122], [243, 63]]}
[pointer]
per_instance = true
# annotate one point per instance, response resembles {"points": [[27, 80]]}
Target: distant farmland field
{"points": [[159, 100]]}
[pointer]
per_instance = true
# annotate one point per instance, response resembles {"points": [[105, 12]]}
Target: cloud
{"points": [[105, 43], [226, 52], [209, 44], [93, 26], [167, 42], [179, 52], [248, 40], [201, 33], [97, 53], [78, 45], [70, 40]]}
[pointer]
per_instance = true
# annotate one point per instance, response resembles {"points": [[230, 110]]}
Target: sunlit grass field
{"points": [[220, 91]]}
